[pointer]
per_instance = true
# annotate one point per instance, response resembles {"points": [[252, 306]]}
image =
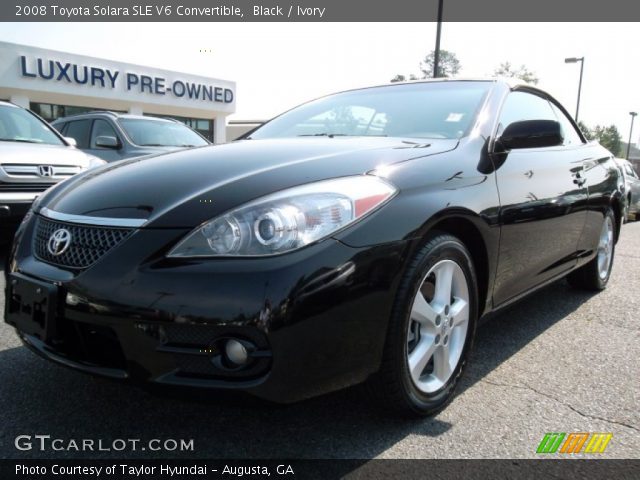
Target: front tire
{"points": [[431, 329], [595, 275]]}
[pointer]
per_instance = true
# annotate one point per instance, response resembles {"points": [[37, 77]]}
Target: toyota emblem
{"points": [[59, 242]]}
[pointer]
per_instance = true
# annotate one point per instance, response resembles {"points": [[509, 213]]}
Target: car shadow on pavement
{"points": [[38, 397], [507, 331]]}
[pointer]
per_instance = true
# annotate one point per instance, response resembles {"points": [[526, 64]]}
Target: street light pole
{"points": [[633, 116], [576, 60], [436, 53]]}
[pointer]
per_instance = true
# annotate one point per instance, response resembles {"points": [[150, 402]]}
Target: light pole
{"points": [[436, 53], [633, 116], [576, 60]]}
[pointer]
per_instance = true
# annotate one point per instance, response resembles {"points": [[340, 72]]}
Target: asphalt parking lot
{"points": [[559, 361]]}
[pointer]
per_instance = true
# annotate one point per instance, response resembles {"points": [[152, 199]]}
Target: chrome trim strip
{"points": [[19, 197], [100, 221]]}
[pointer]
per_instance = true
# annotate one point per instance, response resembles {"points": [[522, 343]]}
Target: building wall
{"points": [[34, 75]]}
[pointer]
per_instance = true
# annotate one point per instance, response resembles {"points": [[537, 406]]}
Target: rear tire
{"points": [[626, 216], [430, 331], [595, 275]]}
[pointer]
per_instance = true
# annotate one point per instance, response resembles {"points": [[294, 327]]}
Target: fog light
{"points": [[236, 352], [72, 299]]}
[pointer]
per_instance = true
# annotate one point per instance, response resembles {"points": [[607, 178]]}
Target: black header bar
{"points": [[318, 11]]}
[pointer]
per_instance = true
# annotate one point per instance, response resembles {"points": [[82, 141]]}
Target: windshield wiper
{"points": [[330, 135], [153, 145], [21, 140]]}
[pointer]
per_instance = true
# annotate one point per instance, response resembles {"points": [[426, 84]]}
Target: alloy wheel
{"points": [[605, 248], [438, 326]]}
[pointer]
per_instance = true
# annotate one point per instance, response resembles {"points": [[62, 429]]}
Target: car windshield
{"points": [[19, 125], [160, 133], [419, 110]]}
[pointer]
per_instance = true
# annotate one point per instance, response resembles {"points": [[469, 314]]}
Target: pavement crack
{"points": [[557, 400]]}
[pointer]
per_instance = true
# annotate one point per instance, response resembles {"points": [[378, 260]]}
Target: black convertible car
{"points": [[360, 236]]}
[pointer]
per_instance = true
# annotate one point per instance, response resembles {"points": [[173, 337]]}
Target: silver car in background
{"points": [[33, 157], [631, 190], [114, 136]]}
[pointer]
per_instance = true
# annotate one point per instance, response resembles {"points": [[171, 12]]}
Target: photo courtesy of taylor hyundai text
{"points": [[319, 240]]}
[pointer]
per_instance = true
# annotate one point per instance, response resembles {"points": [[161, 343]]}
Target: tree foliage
{"points": [[403, 78], [608, 136], [523, 73], [585, 130], [448, 66]]}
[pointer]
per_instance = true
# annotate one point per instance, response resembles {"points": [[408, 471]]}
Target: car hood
{"points": [[186, 188], [39, 154]]}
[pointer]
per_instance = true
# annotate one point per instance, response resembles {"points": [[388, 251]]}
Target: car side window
{"points": [[571, 136], [61, 127], [102, 128], [79, 131], [521, 106]]}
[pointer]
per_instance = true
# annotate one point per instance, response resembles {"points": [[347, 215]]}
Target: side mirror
{"points": [[107, 142], [532, 134], [71, 141]]}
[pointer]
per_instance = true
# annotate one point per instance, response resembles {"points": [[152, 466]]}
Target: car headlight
{"points": [[287, 220]]}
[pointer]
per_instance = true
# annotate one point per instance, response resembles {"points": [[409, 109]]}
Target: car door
{"points": [[102, 128], [543, 202]]}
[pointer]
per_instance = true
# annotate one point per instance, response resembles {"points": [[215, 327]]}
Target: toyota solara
{"points": [[358, 237]]}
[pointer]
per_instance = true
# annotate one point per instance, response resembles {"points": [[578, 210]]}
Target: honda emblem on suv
{"points": [[59, 242], [45, 170]]}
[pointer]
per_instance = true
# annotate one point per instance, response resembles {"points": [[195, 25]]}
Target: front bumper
{"points": [[317, 317]]}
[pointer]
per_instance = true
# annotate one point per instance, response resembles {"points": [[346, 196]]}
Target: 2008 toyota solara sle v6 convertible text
{"points": [[358, 237]]}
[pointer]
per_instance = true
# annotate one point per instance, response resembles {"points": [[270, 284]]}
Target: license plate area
{"points": [[31, 306]]}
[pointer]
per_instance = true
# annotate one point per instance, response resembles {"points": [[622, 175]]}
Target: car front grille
{"points": [[24, 187], [27, 170], [87, 245]]}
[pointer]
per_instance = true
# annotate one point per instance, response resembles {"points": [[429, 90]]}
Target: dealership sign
{"points": [[72, 73]]}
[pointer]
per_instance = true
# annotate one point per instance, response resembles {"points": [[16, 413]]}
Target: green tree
{"points": [[448, 64], [403, 78], [523, 73], [609, 137], [585, 130]]}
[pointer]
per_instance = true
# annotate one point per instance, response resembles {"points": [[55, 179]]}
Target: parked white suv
{"points": [[33, 157]]}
